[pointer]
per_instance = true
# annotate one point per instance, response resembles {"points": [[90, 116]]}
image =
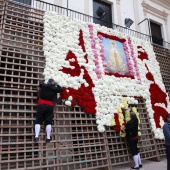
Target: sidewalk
{"points": [[147, 165]]}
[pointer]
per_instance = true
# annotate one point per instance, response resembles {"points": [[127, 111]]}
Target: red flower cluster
{"points": [[73, 72], [119, 75], [81, 41], [157, 96], [142, 55], [117, 126], [159, 112], [83, 96], [122, 40], [149, 76]]}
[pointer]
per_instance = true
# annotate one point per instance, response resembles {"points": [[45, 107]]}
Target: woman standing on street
{"points": [[132, 138]]}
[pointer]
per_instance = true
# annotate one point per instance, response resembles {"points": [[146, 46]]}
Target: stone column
{"points": [[118, 12]]}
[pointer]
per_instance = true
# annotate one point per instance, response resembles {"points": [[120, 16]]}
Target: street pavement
{"points": [[147, 165]]}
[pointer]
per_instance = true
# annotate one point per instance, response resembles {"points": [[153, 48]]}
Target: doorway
{"points": [[156, 33], [102, 13]]}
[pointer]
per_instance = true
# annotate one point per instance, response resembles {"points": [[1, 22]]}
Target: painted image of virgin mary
{"points": [[115, 62]]}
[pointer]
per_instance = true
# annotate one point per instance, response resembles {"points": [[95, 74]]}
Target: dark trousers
{"points": [[44, 114], [133, 144], [168, 156]]}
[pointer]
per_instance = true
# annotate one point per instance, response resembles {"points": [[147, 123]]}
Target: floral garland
{"points": [[75, 59]]}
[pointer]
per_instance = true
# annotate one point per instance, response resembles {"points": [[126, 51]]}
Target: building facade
{"points": [[149, 17], [155, 13], [76, 142]]}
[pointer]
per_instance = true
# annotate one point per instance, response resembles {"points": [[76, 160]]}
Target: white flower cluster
{"points": [[62, 35]]}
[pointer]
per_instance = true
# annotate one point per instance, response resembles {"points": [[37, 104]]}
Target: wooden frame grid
{"points": [[76, 143]]}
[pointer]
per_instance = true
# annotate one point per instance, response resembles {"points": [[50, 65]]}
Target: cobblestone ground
{"points": [[147, 165]]}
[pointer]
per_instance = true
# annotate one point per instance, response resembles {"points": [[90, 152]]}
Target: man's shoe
{"points": [[134, 167], [140, 166], [48, 140], [36, 139]]}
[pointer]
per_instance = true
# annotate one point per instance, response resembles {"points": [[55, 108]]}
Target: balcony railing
{"points": [[45, 6]]}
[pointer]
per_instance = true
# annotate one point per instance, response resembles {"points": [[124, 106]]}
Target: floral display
{"points": [[98, 66]]}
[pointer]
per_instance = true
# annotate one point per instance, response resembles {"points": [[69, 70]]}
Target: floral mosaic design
{"points": [[76, 60]]}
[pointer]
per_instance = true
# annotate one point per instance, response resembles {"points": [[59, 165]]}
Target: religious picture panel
{"points": [[115, 56]]}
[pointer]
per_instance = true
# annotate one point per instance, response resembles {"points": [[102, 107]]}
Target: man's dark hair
{"points": [[133, 115], [51, 82], [167, 116]]}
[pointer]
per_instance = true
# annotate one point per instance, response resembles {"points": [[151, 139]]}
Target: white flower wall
{"points": [[61, 35]]}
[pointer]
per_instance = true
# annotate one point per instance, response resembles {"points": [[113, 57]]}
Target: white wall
{"points": [[75, 5], [168, 22], [83, 6], [139, 17], [127, 11]]}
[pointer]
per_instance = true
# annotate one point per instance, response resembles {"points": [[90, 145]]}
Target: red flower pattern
{"points": [[84, 96], [157, 96], [117, 126]]}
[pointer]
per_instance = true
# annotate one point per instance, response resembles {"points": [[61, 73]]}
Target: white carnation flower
{"points": [[100, 128], [70, 98], [68, 103]]}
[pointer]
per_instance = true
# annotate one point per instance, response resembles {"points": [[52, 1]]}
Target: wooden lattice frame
{"points": [[76, 143]]}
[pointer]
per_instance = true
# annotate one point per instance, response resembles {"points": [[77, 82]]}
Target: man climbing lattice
{"points": [[46, 102]]}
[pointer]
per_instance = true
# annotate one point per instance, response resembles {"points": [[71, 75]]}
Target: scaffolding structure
{"points": [[76, 144]]}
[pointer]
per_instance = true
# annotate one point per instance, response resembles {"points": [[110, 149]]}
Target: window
{"points": [[28, 2], [156, 33], [102, 13]]}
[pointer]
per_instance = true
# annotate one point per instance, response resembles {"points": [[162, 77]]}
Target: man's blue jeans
{"points": [[168, 156]]}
